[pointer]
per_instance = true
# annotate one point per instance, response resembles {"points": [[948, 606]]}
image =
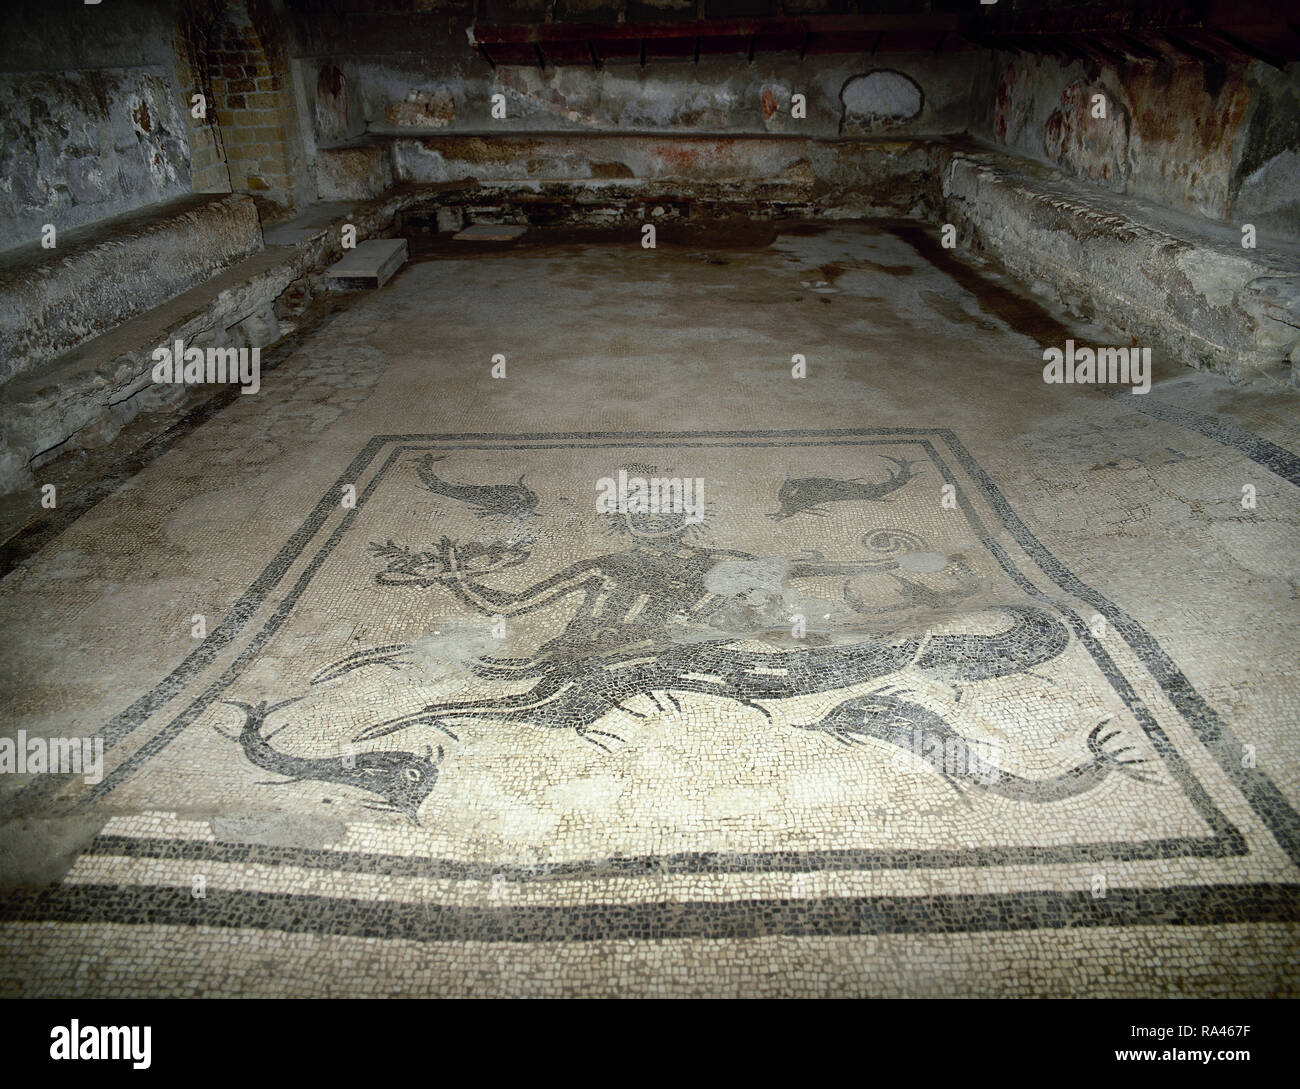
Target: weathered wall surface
{"points": [[411, 75], [760, 174], [1265, 186], [255, 106], [76, 147], [91, 118], [1218, 141], [904, 94]]}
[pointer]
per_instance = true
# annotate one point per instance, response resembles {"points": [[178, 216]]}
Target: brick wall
{"points": [[255, 108], [191, 43]]}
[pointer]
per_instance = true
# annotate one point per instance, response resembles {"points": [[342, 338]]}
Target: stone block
{"points": [[371, 264]]}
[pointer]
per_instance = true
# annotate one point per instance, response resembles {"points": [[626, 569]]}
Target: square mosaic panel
{"points": [[856, 696]]}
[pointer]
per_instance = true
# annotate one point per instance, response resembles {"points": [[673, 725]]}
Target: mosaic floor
{"points": [[948, 683]]}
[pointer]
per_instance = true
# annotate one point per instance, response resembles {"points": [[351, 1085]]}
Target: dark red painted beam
{"points": [[1063, 20], [541, 33]]}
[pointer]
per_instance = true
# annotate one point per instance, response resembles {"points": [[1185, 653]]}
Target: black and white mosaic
{"points": [[858, 697]]}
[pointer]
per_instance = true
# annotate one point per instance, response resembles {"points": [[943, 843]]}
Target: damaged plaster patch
{"points": [[78, 147], [1012, 106], [610, 170], [423, 109], [1091, 147], [158, 130], [661, 104], [1271, 195], [879, 100], [331, 105]]}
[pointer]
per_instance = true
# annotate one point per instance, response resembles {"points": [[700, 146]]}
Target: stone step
{"points": [[371, 264]]}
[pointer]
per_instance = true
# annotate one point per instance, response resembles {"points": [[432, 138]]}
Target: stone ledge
{"points": [[846, 177], [85, 397], [51, 301], [1182, 283]]}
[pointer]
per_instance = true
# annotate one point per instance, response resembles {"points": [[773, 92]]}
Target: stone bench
{"points": [[52, 300], [1168, 278], [84, 397]]}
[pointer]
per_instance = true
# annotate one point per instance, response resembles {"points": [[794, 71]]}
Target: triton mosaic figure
{"points": [[641, 624]]}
